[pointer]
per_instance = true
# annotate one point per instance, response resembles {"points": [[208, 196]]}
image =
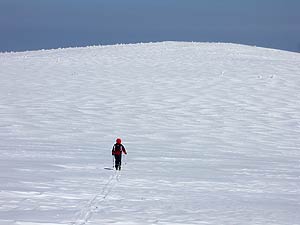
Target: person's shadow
{"points": [[108, 168]]}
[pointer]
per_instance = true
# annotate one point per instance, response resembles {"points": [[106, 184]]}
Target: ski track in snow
{"points": [[212, 131], [95, 202]]}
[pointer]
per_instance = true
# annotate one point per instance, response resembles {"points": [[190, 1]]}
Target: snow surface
{"points": [[212, 132]]}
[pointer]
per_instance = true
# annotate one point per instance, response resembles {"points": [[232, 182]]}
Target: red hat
{"points": [[119, 141]]}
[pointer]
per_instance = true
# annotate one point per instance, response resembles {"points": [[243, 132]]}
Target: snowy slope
{"points": [[212, 132]]}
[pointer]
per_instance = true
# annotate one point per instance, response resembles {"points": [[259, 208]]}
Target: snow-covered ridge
{"points": [[212, 131], [178, 43]]}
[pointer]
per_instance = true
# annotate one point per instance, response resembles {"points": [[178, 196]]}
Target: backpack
{"points": [[117, 149]]}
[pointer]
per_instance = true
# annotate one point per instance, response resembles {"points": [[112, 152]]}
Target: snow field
{"points": [[211, 132]]}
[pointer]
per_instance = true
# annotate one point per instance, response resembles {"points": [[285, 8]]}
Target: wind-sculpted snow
{"points": [[212, 133]]}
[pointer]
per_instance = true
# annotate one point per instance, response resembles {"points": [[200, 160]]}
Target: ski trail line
{"points": [[87, 211]]}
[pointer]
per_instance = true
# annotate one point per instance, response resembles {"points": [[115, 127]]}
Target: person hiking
{"points": [[117, 151]]}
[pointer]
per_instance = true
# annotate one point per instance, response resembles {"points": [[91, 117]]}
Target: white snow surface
{"points": [[212, 133]]}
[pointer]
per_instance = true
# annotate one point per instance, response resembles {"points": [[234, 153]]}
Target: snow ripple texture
{"points": [[212, 132]]}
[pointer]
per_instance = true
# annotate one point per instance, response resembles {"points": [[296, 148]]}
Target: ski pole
{"points": [[113, 162], [125, 159]]}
